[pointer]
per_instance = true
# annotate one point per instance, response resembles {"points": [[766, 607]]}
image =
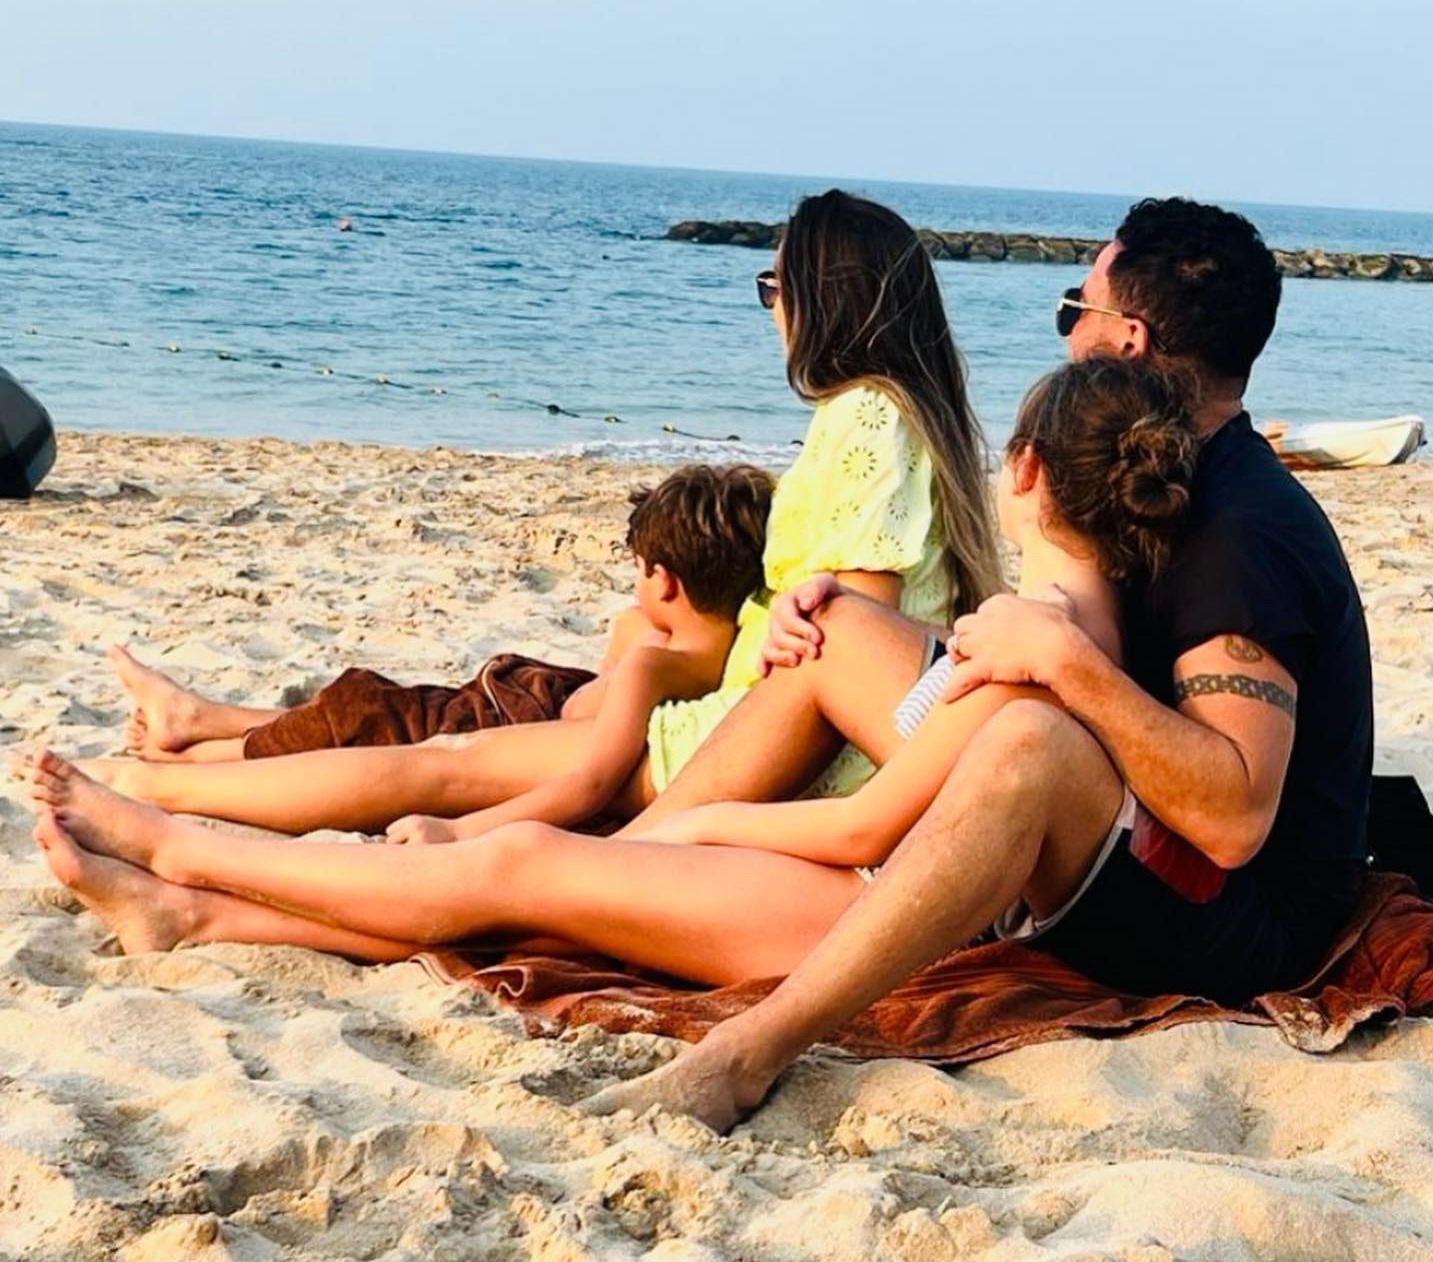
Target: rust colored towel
{"points": [[990, 999], [361, 707]]}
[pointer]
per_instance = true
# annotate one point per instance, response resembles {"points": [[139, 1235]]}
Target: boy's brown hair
{"points": [[708, 527]]}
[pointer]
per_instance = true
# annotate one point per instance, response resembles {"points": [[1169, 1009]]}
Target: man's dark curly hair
{"points": [[1201, 278]]}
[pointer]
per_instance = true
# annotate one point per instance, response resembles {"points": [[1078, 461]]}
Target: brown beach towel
{"points": [[362, 707], [986, 1000]]}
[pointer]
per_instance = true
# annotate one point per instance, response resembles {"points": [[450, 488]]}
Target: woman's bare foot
{"points": [[167, 719], [143, 912], [709, 1081], [99, 819]]}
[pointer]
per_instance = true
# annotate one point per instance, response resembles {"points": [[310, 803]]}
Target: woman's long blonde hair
{"points": [[862, 306]]}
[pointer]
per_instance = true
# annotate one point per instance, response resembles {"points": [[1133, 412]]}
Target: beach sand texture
{"points": [[264, 1104]]}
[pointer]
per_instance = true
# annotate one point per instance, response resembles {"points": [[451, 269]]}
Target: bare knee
{"points": [[1024, 747], [481, 872], [509, 853], [854, 628], [848, 615]]}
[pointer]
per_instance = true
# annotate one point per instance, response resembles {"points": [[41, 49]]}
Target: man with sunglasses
{"points": [[1241, 721]]}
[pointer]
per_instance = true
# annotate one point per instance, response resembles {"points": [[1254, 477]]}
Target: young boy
{"points": [[697, 539]]}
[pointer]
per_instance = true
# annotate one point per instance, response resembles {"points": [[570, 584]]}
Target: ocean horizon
{"points": [[165, 283]]}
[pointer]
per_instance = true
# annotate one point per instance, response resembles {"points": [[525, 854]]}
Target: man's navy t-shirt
{"points": [[1260, 560]]}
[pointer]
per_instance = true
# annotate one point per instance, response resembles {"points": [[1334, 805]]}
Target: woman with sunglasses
{"points": [[889, 491]]}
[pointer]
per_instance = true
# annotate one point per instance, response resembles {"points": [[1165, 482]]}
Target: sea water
{"points": [[174, 284]]}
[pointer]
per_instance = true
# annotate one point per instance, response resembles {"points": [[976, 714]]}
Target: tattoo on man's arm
{"points": [[1242, 650], [1265, 690]]}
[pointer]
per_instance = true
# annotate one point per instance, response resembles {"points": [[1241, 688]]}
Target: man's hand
{"points": [[791, 635], [1010, 640], [420, 830]]}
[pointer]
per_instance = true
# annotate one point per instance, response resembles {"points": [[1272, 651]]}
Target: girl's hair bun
{"points": [[1119, 452]]}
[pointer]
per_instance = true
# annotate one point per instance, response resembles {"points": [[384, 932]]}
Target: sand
{"points": [[233, 1102]]}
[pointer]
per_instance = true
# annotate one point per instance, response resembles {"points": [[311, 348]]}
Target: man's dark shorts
{"points": [[1224, 935]]}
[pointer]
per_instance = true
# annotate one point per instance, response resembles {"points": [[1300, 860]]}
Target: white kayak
{"points": [[1345, 444]]}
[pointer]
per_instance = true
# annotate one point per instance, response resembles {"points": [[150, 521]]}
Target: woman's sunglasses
{"points": [[1072, 306], [767, 288]]}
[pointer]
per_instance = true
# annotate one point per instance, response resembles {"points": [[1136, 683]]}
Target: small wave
{"points": [[674, 450]]}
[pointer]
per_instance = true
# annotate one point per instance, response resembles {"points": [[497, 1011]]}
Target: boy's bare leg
{"points": [[709, 913], [1026, 808], [169, 718], [228, 750], [148, 914], [793, 723], [362, 788]]}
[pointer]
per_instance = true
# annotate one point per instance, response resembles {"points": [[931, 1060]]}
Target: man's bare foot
{"points": [[167, 719], [708, 1081], [143, 912], [99, 819]]}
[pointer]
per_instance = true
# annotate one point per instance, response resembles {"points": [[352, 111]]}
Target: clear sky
{"points": [[1321, 102]]}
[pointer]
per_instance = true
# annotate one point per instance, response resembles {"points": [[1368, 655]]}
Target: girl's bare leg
{"points": [[365, 789], [148, 914], [710, 913], [169, 718]]}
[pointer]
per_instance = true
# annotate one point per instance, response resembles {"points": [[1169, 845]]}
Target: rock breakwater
{"points": [[1017, 247]]}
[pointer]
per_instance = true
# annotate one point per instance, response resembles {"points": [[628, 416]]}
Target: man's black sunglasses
{"points": [[1072, 306]]}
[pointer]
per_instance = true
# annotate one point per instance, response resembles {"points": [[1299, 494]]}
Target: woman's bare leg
{"points": [[169, 718], [149, 914], [365, 788], [709, 913], [789, 727]]}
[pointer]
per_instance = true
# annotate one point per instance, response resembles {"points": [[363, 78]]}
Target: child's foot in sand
{"points": [[141, 744], [167, 718], [706, 1081], [143, 912], [98, 818]]}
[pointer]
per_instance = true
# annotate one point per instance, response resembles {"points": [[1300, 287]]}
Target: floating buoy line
{"points": [[383, 379]]}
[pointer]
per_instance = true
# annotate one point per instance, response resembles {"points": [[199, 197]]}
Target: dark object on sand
{"points": [[1400, 830], [361, 707], [27, 440]]}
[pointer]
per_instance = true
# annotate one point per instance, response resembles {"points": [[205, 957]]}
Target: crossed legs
{"points": [[712, 914]]}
